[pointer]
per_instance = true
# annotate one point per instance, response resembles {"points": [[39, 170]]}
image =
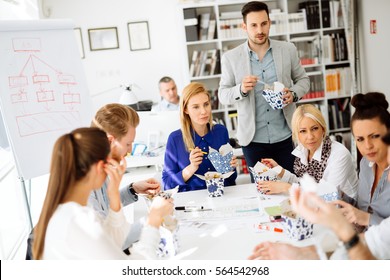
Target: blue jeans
{"points": [[280, 152]]}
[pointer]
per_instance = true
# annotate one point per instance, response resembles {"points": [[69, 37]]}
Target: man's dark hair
{"points": [[253, 6]]}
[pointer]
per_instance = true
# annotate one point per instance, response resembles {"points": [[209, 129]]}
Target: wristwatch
{"points": [[295, 97], [132, 191], [352, 242]]}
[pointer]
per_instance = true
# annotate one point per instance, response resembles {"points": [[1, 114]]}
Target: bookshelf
{"points": [[315, 27]]}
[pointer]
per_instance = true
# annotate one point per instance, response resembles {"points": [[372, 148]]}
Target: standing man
{"points": [[262, 132], [169, 98]]}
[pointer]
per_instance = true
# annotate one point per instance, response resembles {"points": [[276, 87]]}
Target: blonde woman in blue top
{"points": [[187, 148]]}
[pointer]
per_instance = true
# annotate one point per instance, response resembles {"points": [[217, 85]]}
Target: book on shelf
{"points": [[339, 116], [204, 63], [297, 21], [312, 9], [308, 48], [242, 166], [278, 22], [343, 138], [334, 47], [336, 15], [231, 28], [218, 120], [233, 120], [204, 21], [316, 87], [214, 99], [191, 24], [325, 9], [338, 82], [211, 29], [195, 63]]}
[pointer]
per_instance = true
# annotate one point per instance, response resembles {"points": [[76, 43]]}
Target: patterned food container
{"points": [[169, 244], [296, 227], [265, 176], [215, 185]]}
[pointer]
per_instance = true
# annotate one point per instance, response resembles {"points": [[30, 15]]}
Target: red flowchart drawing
{"points": [[46, 98]]}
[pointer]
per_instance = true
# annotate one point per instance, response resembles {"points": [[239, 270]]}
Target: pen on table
{"points": [[205, 153], [269, 228], [198, 210], [191, 207]]}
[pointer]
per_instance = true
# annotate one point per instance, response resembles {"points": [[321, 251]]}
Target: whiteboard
{"points": [[43, 91]]}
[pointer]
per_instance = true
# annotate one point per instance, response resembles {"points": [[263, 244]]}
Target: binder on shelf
{"points": [[325, 13], [211, 29], [204, 20], [191, 24], [193, 63]]}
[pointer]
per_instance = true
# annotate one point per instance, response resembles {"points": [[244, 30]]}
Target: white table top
{"points": [[228, 231]]}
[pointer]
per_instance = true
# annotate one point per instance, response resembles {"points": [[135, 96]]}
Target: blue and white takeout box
{"points": [[215, 182], [221, 159], [327, 191], [168, 245], [261, 172], [169, 242], [273, 95], [296, 227]]}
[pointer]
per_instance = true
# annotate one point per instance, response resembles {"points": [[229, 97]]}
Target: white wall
{"points": [[19, 9], [375, 48], [109, 68]]}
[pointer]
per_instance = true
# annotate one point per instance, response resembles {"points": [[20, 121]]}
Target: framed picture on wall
{"points": [[103, 38], [139, 35], [79, 40]]}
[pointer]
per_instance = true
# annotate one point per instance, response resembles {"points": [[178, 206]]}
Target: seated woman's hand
{"points": [[160, 208], [115, 171], [269, 162], [352, 214], [233, 162], [150, 186], [273, 187], [196, 157]]}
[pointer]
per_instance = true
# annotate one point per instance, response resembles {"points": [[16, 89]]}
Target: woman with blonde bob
{"points": [[187, 148], [315, 154]]}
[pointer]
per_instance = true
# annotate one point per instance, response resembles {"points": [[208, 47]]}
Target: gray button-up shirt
{"points": [[271, 125], [379, 204]]}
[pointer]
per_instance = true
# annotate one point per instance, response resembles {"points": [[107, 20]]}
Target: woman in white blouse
{"points": [[67, 227], [316, 154]]}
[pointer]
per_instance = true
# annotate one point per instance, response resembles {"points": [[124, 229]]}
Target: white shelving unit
{"points": [[317, 32]]}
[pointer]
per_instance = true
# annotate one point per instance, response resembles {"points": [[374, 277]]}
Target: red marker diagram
{"points": [[45, 97]]}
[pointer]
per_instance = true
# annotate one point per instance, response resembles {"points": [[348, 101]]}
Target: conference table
{"points": [[225, 228]]}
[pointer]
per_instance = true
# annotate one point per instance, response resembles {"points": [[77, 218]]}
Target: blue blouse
{"points": [[177, 158]]}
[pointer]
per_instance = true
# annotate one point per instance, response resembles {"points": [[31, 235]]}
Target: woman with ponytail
{"points": [[67, 227]]}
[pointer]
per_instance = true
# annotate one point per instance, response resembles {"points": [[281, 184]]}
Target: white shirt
{"points": [[378, 239], [339, 171], [78, 232], [164, 105]]}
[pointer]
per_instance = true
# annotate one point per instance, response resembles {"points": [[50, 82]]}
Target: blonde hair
{"points": [[115, 119], [309, 111], [190, 91]]}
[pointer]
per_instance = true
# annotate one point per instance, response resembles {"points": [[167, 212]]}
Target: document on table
{"points": [[234, 208]]}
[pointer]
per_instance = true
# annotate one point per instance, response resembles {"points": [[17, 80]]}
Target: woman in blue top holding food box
{"points": [[187, 151]]}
